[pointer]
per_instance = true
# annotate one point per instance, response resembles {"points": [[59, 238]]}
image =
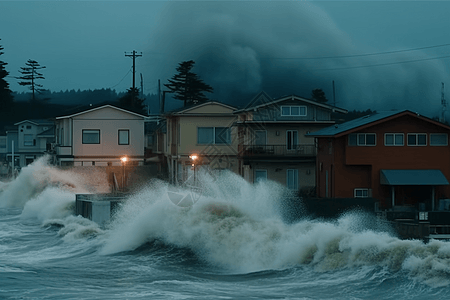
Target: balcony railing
{"points": [[277, 150]]}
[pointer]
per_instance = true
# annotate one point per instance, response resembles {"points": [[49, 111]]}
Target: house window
{"points": [[213, 135], [362, 139], [438, 139], [417, 139], [292, 179], [28, 140], [293, 110], [361, 193], [291, 139], [124, 137], [91, 136], [260, 175], [393, 139], [28, 126]]}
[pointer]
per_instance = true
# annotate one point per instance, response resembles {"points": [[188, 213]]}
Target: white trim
{"points": [[295, 98], [417, 140], [294, 145], [365, 139], [439, 133], [204, 104], [100, 107], [361, 190], [394, 134], [290, 111]]}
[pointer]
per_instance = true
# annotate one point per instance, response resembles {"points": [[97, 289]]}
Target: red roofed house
{"points": [[398, 157]]}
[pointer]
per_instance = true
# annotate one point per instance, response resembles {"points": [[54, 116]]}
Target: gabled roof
{"points": [[258, 105], [36, 122], [183, 110], [367, 121], [98, 108], [47, 133]]}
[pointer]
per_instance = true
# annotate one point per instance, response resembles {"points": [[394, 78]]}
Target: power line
{"points": [[122, 79], [383, 64], [355, 55]]}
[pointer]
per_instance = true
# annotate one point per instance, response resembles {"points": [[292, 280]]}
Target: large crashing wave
{"points": [[39, 176], [236, 226], [239, 227]]}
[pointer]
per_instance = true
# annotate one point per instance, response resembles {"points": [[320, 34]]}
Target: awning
{"points": [[412, 177]]}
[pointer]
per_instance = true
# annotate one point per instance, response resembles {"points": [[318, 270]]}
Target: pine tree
{"points": [[6, 98], [187, 86], [319, 96], [29, 76], [132, 102]]}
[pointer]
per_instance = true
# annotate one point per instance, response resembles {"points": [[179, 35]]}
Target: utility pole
{"points": [[334, 95], [443, 103], [134, 55]]}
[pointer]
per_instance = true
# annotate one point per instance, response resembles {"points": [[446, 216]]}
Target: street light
{"points": [[124, 160], [194, 158]]}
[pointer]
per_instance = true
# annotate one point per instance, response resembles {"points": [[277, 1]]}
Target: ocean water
{"points": [[234, 243]]}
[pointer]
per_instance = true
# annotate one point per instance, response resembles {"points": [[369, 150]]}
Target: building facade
{"points": [[100, 136], [273, 141], [398, 157]]}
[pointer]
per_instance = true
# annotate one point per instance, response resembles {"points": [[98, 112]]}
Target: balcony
{"points": [[273, 151]]}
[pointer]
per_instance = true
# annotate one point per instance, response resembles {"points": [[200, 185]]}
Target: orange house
{"points": [[398, 157]]}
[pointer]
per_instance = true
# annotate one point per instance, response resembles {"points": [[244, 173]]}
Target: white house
{"points": [[100, 136], [33, 140]]}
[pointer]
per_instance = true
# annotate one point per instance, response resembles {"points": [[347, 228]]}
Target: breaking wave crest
{"points": [[236, 226], [239, 227]]}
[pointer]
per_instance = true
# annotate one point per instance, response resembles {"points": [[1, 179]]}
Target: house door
{"points": [[291, 139]]}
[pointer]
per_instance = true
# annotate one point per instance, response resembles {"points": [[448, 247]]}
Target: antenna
{"points": [[443, 104], [334, 95]]}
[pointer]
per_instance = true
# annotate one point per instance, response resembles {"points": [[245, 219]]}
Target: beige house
{"points": [[272, 141], [100, 136], [204, 132]]}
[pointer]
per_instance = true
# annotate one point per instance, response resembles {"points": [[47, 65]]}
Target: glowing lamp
{"points": [[124, 159], [193, 157]]}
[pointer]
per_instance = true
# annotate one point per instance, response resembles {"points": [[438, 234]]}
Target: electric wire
{"points": [[121, 79], [355, 55]]}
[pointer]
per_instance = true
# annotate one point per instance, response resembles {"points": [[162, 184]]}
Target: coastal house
{"points": [[198, 135], [400, 158], [100, 136], [273, 141], [31, 138]]}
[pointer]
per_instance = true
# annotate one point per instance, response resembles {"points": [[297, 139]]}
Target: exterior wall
{"points": [[109, 121], [273, 113], [278, 172], [187, 135], [351, 167]]}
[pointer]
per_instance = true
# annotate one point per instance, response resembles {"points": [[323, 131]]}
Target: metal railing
{"points": [[277, 150]]}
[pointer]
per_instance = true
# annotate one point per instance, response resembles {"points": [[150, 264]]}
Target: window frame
{"points": [[31, 143], [214, 142], [394, 134], [82, 136], [417, 139], [128, 136], [262, 179], [295, 172], [361, 190], [439, 133], [300, 107]]}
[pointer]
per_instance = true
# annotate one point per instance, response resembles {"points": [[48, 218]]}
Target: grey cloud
{"points": [[238, 48]]}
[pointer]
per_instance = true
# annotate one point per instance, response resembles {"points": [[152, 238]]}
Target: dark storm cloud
{"points": [[241, 48]]}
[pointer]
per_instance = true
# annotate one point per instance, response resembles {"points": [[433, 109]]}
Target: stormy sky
{"points": [[241, 48]]}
